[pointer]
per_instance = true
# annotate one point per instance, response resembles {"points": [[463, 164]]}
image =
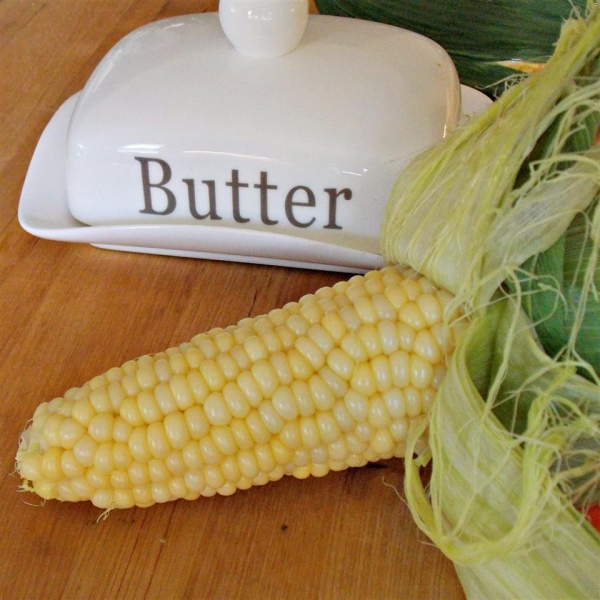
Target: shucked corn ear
{"points": [[332, 381]]}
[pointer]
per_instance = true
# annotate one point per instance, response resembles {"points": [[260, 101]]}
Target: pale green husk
{"points": [[514, 434]]}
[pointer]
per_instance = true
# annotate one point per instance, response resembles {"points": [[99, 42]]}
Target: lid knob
{"points": [[264, 28]]}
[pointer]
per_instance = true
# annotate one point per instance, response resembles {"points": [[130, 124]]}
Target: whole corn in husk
{"points": [[514, 432]]}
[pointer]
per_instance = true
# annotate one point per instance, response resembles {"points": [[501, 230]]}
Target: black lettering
{"points": [[264, 188], [212, 200], [333, 196], [290, 203], [161, 185], [235, 186]]}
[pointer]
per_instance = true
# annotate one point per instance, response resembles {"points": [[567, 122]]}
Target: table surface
{"points": [[70, 311]]}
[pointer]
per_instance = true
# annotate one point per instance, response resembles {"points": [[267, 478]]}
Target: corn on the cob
{"points": [[332, 381]]}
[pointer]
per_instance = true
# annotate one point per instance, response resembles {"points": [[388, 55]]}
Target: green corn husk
{"points": [[494, 214], [483, 37]]}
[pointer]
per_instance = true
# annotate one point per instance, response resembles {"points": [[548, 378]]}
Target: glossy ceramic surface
{"points": [[179, 144]]}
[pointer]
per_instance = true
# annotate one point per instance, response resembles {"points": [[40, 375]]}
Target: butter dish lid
{"points": [[259, 134]]}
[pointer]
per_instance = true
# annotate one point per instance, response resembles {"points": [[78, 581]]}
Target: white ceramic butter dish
{"points": [[184, 142]]}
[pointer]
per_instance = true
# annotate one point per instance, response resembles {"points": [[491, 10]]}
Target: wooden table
{"points": [[70, 311]]}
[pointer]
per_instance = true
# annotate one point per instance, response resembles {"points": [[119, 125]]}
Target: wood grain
{"points": [[70, 311]]}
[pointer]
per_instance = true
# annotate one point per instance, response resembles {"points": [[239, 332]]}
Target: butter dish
{"points": [[184, 143]]}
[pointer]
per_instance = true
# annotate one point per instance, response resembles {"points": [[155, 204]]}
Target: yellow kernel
{"points": [[382, 372], [309, 432], [121, 430], [224, 440], [138, 444], [334, 382], [341, 363], [270, 417], [299, 365], [192, 457], [363, 379], [297, 324], [426, 347], [209, 451], [302, 472], [439, 372], [399, 430], [164, 398], [100, 400], [84, 450], [70, 431], [121, 455], [311, 352], [162, 369], [188, 389], [338, 450], [304, 398], [129, 367], [100, 427], [365, 310], [231, 470], [271, 341], [142, 495], [130, 384], [357, 405], [396, 296], [248, 465], [353, 346], [350, 318], [196, 421], [411, 286], [320, 336], [286, 335], [400, 367], [355, 445], [138, 473], [430, 307], [356, 289], [146, 378], [82, 488], [370, 340], [388, 336], [395, 403], [319, 455], [208, 347], [281, 367], [160, 493], [264, 458], [378, 415], [255, 348], [406, 336], [97, 479], [148, 407], [310, 310], [414, 404], [228, 366], [319, 470], [175, 463], [241, 434], [290, 435], [421, 372], [178, 363], [342, 416], [212, 374], [383, 306], [383, 444], [51, 429], [102, 499], [176, 430], [70, 466], [278, 316], [216, 409], [334, 325], [285, 404], [301, 457], [364, 432], [157, 471], [410, 314], [130, 412], [50, 465], [236, 402], [265, 377], [250, 388], [260, 434], [123, 498], [103, 459], [329, 430], [281, 453], [322, 395], [194, 480], [116, 393], [224, 341], [158, 443]]}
